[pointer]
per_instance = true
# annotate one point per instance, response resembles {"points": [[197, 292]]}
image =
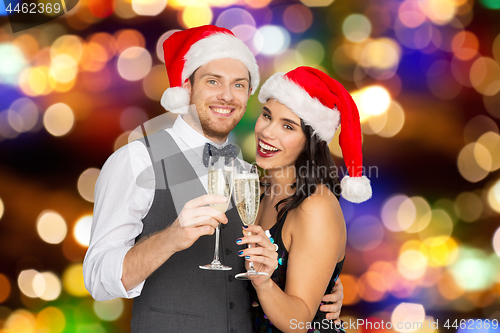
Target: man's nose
{"points": [[226, 94]]}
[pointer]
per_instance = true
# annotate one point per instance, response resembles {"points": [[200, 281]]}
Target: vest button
{"points": [[230, 278], [228, 252], [231, 305]]}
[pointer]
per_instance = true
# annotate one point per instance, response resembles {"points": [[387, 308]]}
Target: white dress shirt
{"points": [[121, 204]]}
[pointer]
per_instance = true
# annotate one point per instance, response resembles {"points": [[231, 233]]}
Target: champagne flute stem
{"points": [[216, 254], [250, 264]]}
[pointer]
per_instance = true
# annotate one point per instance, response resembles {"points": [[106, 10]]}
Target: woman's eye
{"points": [[266, 116], [288, 127]]}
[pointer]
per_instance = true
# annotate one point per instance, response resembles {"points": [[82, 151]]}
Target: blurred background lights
{"points": [[408, 314], [473, 271], [311, 51], [365, 233], [134, 63], [23, 115], [109, 310], [128, 38], [148, 7], [491, 4], [469, 166], [70, 45], [412, 264], [439, 229], [20, 321], [51, 227], [2, 208], [132, 117], [81, 231], [63, 68], [156, 82], [485, 76], [356, 28], [25, 282], [493, 196], [234, 17], [440, 12], [72, 281], [271, 40], [496, 242], [86, 183], [491, 141], [12, 63], [371, 101], [58, 119], [194, 16], [317, 3], [47, 286], [51, 320], [468, 206], [477, 127], [410, 14], [297, 18], [5, 288]]}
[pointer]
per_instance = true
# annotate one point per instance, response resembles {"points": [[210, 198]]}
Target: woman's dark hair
{"points": [[314, 166]]}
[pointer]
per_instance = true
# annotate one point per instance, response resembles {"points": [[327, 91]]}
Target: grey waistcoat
{"points": [[179, 296]]}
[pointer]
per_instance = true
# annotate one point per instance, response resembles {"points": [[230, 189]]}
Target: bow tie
{"points": [[229, 150]]}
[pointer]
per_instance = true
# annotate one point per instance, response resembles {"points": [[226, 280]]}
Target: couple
{"points": [[150, 212]]}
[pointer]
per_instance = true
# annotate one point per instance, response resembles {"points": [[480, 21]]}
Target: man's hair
{"points": [[191, 79]]}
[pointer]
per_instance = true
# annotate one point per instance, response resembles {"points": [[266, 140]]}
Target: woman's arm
{"points": [[311, 262]]}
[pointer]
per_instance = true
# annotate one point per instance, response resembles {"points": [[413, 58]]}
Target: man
{"points": [[150, 204]]}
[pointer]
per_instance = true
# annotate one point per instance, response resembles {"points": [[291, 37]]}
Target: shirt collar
{"points": [[192, 138]]}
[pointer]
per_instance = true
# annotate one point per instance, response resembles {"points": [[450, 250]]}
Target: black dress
{"points": [[260, 321]]}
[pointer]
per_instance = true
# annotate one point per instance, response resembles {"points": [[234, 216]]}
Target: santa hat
{"points": [[324, 104], [185, 51]]}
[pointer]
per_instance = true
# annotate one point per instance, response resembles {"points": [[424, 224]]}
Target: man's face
{"points": [[220, 93]]}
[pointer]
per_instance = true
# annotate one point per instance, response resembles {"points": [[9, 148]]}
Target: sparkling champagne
{"points": [[221, 182], [247, 197]]}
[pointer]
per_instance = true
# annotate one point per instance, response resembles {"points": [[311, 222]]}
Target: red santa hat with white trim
{"points": [[324, 104], [185, 51]]}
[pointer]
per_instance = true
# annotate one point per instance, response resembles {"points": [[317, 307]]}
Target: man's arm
{"points": [[195, 220], [333, 302]]}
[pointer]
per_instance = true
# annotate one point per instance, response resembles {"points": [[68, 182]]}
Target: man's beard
{"points": [[210, 128]]}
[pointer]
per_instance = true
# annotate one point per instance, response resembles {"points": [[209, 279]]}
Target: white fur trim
{"points": [[175, 99], [356, 189], [323, 120], [220, 46]]}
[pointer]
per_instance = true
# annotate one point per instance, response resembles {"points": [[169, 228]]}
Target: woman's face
{"points": [[279, 136]]}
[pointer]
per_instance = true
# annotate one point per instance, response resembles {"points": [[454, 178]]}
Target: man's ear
{"points": [[250, 92], [187, 85]]}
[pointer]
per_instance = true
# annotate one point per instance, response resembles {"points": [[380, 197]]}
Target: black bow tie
{"points": [[229, 150]]}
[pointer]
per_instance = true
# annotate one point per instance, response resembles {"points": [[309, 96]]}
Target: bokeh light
{"points": [[159, 44], [86, 183], [372, 100], [365, 233], [271, 40], [297, 18], [58, 119], [469, 167], [132, 117], [12, 62], [134, 63], [109, 310], [468, 206], [81, 231], [156, 82], [412, 264], [2, 208], [317, 3], [496, 242], [407, 315], [439, 229], [234, 17], [5, 288], [485, 76], [47, 286], [478, 126], [356, 28], [195, 16], [51, 320], [148, 7], [493, 196], [51, 227], [25, 282], [311, 52], [23, 115], [20, 321], [473, 271], [72, 281]]}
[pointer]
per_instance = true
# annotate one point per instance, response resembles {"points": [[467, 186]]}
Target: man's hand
{"points": [[334, 301], [195, 220]]}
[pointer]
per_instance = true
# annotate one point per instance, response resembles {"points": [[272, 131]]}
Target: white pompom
{"points": [[356, 189], [175, 99]]}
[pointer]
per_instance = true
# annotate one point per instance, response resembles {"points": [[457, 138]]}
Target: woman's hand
{"points": [[262, 253]]}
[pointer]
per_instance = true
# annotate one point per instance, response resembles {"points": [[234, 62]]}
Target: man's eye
{"points": [[212, 81], [239, 85]]}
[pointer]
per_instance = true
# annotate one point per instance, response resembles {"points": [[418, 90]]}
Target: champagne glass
{"points": [[247, 198], [220, 181]]}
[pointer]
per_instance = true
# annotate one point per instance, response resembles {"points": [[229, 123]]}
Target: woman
{"points": [[299, 205]]}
